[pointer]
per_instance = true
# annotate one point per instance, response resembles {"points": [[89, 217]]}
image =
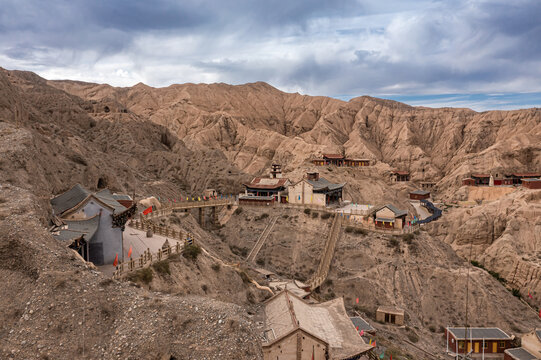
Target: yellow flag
{"points": [[199, 198]]}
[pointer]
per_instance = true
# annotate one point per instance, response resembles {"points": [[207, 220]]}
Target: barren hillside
{"points": [[256, 124], [182, 139]]}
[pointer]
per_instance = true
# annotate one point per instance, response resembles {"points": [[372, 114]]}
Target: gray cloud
{"points": [[344, 47]]}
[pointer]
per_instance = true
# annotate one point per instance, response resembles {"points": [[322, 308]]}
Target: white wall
{"points": [[107, 235]]}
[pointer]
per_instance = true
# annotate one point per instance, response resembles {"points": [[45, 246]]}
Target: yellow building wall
{"points": [[312, 345], [318, 199], [302, 190], [286, 349], [385, 213]]}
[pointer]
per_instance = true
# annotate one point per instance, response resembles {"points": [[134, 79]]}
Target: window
{"points": [[461, 345], [502, 344], [485, 346]]}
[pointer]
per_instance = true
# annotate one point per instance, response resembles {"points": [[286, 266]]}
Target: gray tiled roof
{"points": [[121, 197], [397, 212], [78, 228], [323, 183], [361, 323], [69, 199], [520, 354], [107, 197], [479, 333]]}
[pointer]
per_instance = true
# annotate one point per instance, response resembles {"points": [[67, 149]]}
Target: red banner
{"points": [[147, 210]]}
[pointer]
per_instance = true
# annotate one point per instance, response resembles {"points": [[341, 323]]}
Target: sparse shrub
{"points": [[408, 238], [162, 267], [349, 229], [142, 275], [285, 216], [477, 264], [261, 217], [393, 242], [360, 231], [204, 288], [238, 250], [516, 293], [260, 262], [432, 328], [416, 232], [216, 267], [238, 211], [314, 215], [327, 282], [191, 252], [325, 215], [307, 211], [497, 276]]}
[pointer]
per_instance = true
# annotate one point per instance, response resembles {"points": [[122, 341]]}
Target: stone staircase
{"points": [[261, 240], [328, 253]]}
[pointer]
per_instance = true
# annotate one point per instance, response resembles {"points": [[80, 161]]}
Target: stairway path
{"points": [[261, 240]]}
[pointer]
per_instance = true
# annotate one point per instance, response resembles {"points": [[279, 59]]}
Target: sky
{"points": [[460, 53]]}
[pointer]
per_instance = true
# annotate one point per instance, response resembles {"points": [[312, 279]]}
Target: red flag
{"points": [[357, 300], [147, 210], [129, 252], [540, 313], [362, 332], [391, 358], [115, 263], [530, 295], [356, 327], [374, 343]]}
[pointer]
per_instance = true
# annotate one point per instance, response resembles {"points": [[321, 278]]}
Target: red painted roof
{"points": [[333, 156], [266, 183]]}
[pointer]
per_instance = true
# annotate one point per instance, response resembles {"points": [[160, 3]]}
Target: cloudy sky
{"points": [[468, 53]]}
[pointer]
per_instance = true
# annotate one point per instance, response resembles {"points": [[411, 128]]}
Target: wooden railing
{"points": [[146, 259], [261, 240], [328, 253], [145, 224]]}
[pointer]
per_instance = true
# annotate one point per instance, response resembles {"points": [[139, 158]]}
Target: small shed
{"points": [[390, 314], [419, 195], [519, 354], [531, 183]]}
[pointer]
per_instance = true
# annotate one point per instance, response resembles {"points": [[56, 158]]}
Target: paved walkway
{"points": [[421, 210], [139, 242]]}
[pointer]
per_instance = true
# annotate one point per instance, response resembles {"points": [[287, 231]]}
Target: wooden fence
{"points": [[146, 259], [166, 231]]}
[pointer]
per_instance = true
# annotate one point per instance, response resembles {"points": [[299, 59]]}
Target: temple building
{"points": [[517, 177], [315, 190], [340, 160], [399, 176], [295, 329], [92, 223], [389, 217]]}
